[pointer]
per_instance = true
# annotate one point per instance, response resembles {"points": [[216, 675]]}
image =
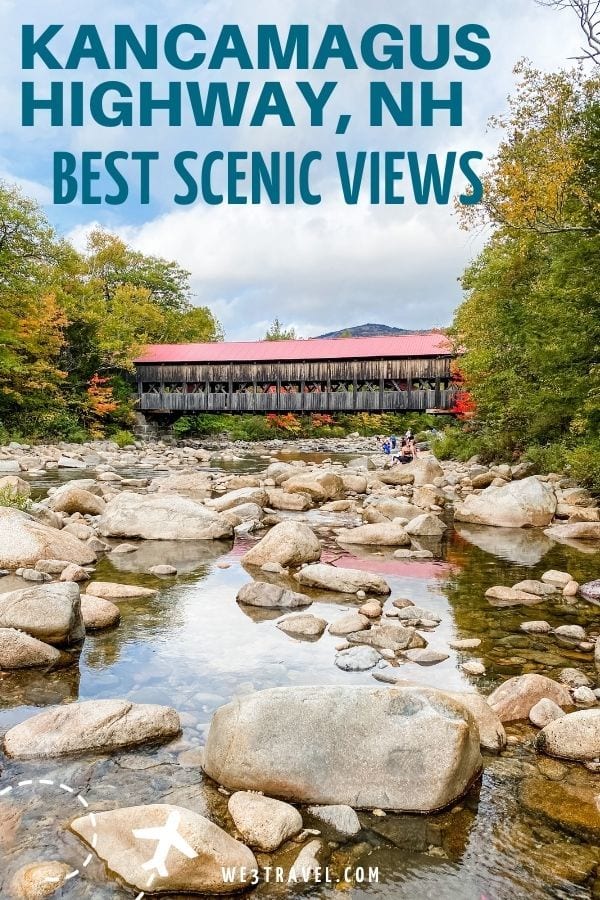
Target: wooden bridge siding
{"points": [[337, 370], [323, 402]]}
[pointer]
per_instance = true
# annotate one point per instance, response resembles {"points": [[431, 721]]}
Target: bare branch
{"points": [[588, 13]]}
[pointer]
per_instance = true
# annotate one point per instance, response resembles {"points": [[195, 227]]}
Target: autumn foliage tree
{"points": [[529, 325], [71, 324]]}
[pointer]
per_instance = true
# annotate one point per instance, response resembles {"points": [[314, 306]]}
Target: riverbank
{"points": [[237, 570]]}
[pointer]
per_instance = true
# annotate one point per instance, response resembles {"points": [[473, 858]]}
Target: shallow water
{"points": [[528, 828]]}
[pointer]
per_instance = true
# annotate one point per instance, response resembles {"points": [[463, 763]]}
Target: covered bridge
{"points": [[405, 372]]}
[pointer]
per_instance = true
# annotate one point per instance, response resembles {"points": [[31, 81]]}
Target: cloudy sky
{"points": [[318, 268]]}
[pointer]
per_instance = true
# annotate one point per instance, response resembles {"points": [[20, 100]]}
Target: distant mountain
{"points": [[369, 330]]}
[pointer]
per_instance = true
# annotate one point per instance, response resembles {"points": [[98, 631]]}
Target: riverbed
{"points": [[528, 828]]}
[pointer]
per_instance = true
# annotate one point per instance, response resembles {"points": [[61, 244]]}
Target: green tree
{"points": [[278, 332], [530, 320]]}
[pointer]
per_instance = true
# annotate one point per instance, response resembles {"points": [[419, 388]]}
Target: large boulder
{"points": [[385, 534], [120, 837], [279, 499], [344, 581], [289, 544], [514, 505], [49, 612], [271, 596], [161, 517], [92, 726], [492, 735], [264, 823], [426, 525], [320, 486], [514, 699], [24, 541], [424, 469], [76, 500], [236, 498], [403, 749], [574, 736], [21, 651]]}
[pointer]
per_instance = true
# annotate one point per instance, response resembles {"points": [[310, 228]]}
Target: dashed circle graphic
{"points": [[48, 782]]}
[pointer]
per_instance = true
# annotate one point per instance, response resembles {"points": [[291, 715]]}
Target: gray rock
{"points": [[348, 624], [570, 632], [98, 613], [584, 696], [163, 570], [344, 581], [24, 541], [21, 651], [111, 590], [515, 505], [590, 590], [574, 736], [341, 818], [50, 612], [514, 700], [263, 823], [98, 726], [535, 627], [405, 749], [113, 837], [357, 659], [389, 637], [161, 517], [544, 712], [271, 596], [289, 543], [425, 656], [302, 625]]}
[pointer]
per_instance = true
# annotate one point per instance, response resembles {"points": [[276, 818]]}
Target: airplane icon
{"points": [[167, 837]]}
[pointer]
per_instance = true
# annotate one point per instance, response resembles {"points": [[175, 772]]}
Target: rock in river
{"points": [[404, 749], [357, 659], [514, 699], [515, 505], [345, 581], [264, 823], [574, 736], [24, 541], [161, 517], [120, 843], [111, 590], [76, 500], [577, 531], [290, 544], [48, 612], [302, 625], [37, 880], [341, 818], [384, 534], [590, 590], [271, 596], [99, 613], [98, 726], [21, 651]]}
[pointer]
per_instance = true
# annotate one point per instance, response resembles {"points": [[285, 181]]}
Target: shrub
{"points": [[12, 498], [584, 461], [123, 438]]}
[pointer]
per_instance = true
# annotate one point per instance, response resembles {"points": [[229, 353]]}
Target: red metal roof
{"points": [[404, 345]]}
